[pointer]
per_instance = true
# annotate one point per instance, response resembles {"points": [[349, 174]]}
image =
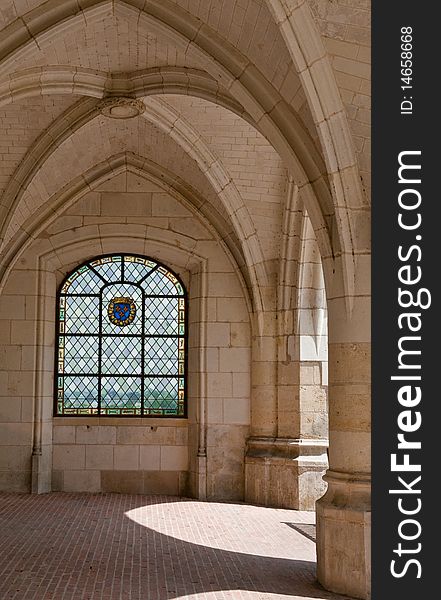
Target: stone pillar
{"points": [[259, 457], [343, 514], [264, 376], [285, 470], [287, 452], [312, 341], [41, 462], [197, 377]]}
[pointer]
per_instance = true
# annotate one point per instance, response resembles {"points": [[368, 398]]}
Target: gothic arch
{"points": [[67, 80], [169, 121], [110, 167], [234, 73], [311, 61]]}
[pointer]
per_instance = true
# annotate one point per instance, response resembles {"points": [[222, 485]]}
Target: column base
{"points": [[201, 478], [284, 472], [41, 475], [344, 535]]}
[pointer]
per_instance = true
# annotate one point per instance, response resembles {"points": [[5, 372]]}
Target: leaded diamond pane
{"points": [[121, 355], [81, 354], [86, 282], [161, 316], [81, 314], [109, 269], [161, 356], [121, 395], [161, 395], [80, 393], [157, 284], [135, 271]]}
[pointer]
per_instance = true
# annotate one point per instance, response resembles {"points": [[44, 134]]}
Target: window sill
{"points": [[121, 421]]}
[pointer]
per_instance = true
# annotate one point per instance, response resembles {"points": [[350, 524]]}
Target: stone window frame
{"points": [[142, 415]]}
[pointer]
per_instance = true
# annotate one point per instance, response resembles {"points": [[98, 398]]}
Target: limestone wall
{"points": [[119, 454]]}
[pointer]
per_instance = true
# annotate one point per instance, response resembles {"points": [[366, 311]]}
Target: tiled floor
{"points": [[116, 547]]}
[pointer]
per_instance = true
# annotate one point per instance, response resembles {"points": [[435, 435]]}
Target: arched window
{"points": [[121, 340]]}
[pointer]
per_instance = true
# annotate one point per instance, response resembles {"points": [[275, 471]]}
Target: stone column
{"points": [[286, 454], [343, 514], [41, 461], [197, 378], [312, 341], [259, 458], [264, 377]]}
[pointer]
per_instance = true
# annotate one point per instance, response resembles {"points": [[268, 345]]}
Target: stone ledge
{"points": [[285, 448], [147, 422], [285, 472]]}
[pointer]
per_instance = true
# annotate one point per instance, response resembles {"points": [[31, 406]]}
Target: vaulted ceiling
{"points": [[227, 111]]}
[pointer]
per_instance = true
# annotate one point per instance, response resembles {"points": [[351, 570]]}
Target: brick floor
{"points": [[117, 547]]}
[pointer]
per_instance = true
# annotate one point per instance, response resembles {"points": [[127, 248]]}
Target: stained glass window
{"points": [[121, 340]]}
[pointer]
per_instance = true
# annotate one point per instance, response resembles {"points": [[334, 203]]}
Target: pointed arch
{"points": [[233, 71], [110, 167]]}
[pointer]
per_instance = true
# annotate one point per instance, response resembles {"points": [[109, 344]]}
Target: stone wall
{"points": [[202, 455], [120, 455]]}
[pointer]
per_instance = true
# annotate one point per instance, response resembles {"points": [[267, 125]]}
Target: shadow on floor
{"points": [[309, 531], [82, 546]]}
